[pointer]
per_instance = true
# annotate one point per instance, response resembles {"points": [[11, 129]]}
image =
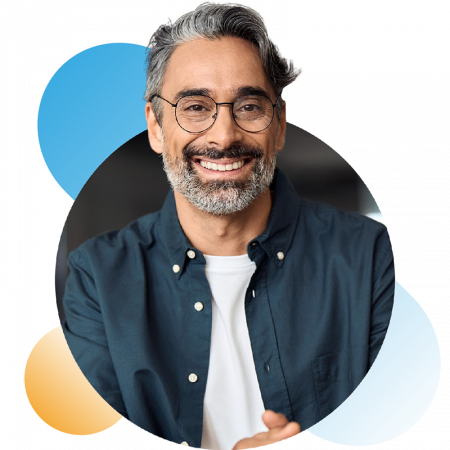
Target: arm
{"points": [[382, 294], [85, 332]]}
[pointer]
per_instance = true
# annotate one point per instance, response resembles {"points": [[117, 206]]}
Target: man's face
{"points": [[221, 69]]}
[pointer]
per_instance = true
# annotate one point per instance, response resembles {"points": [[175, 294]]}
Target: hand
{"points": [[279, 428]]}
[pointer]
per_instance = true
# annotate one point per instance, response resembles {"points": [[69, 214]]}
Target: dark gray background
{"points": [[132, 183]]}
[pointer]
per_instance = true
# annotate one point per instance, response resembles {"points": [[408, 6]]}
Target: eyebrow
{"points": [[239, 92], [251, 90], [188, 92]]}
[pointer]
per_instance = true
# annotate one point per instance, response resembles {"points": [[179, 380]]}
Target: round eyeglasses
{"points": [[197, 113]]}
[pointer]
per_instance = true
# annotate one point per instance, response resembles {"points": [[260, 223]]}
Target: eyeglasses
{"points": [[198, 113]]}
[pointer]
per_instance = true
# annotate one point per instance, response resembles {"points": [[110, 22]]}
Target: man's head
{"points": [[217, 54]]}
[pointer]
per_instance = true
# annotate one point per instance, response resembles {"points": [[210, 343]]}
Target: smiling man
{"points": [[239, 312], [219, 155]]}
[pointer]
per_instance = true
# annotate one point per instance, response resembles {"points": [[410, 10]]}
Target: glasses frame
{"points": [[174, 105]]}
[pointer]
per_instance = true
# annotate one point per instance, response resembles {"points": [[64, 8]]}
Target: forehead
{"points": [[220, 66]]}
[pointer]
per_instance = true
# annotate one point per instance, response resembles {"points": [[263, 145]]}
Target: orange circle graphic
{"points": [[59, 392]]}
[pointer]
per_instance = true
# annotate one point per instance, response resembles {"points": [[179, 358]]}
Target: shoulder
{"points": [[343, 245], [141, 233], [331, 231], [330, 219]]}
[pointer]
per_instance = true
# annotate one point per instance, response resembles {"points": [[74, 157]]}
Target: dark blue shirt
{"points": [[316, 322]]}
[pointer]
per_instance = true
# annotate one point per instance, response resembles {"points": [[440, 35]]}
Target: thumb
{"points": [[272, 419], [291, 429]]}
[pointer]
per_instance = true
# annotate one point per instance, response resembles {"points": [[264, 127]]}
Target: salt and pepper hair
{"points": [[213, 21]]}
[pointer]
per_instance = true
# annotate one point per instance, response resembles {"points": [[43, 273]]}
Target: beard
{"points": [[220, 197]]}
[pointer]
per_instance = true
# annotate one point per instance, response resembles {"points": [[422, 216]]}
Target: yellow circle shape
{"points": [[59, 392]]}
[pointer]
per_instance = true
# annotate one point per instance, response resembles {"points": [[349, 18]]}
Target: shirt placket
{"points": [[198, 313], [263, 340]]}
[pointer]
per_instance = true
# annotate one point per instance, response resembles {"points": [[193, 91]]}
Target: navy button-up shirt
{"points": [[316, 322]]}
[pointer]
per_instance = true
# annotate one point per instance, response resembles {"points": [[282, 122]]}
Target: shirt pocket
{"points": [[335, 379]]}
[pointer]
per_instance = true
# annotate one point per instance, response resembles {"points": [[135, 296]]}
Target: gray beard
{"points": [[219, 197]]}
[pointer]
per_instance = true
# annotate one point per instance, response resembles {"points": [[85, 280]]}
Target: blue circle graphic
{"points": [[93, 105], [398, 388]]}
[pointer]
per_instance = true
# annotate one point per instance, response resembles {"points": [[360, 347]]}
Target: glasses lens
{"points": [[253, 112], [196, 113]]}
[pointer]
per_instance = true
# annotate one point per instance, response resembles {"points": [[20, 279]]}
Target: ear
{"points": [[153, 128], [281, 135]]}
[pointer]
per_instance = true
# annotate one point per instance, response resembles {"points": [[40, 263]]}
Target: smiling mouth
{"points": [[227, 167]]}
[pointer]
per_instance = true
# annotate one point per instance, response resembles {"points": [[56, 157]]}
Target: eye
{"points": [[250, 108], [196, 108]]}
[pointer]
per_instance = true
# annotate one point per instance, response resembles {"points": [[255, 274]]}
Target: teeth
{"points": [[221, 167]]}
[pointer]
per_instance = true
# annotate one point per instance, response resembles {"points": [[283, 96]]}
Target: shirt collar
{"points": [[276, 240]]}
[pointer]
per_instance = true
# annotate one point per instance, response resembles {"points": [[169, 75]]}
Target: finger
{"points": [[269, 437], [274, 420], [289, 430]]}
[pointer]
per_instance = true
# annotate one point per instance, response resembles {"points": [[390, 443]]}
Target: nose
{"points": [[225, 131]]}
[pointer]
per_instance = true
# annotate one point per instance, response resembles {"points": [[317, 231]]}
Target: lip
{"points": [[222, 160], [221, 174]]}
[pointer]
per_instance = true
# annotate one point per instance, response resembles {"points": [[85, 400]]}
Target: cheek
{"points": [[174, 140], [274, 140], [267, 143]]}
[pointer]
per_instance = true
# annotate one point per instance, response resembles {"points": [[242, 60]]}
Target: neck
{"points": [[226, 235]]}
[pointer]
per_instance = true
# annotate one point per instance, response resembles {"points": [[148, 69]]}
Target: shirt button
{"points": [[191, 254], [176, 268], [198, 306], [280, 255], [185, 443], [193, 378]]}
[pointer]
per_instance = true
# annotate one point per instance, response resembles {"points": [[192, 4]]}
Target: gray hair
{"points": [[213, 21]]}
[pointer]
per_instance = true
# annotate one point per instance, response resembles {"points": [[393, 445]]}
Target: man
{"points": [[239, 311]]}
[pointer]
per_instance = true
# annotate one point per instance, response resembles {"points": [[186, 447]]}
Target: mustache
{"points": [[234, 151]]}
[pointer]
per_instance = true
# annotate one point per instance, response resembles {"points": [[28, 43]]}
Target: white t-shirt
{"points": [[233, 405]]}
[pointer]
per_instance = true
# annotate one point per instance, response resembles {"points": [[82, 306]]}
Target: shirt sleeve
{"points": [[382, 294], [85, 332]]}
